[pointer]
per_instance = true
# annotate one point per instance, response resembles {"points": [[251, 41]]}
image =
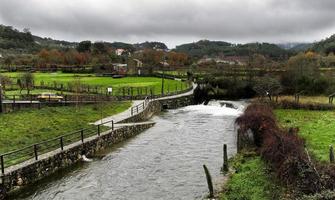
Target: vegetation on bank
{"points": [[284, 151], [316, 127], [29, 126], [253, 180]]}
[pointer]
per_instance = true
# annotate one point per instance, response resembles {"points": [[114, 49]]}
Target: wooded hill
{"points": [[216, 48]]}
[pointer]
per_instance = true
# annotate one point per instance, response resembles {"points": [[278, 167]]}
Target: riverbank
{"points": [[252, 179], [282, 150], [27, 127]]}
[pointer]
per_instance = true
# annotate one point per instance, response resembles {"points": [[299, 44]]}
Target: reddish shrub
{"points": [[283, 150]]}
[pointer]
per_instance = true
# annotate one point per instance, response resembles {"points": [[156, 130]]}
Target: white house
{"points": [[119, 52]]}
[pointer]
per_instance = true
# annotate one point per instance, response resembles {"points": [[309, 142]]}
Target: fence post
{"points": [[137, 109], [98, 129], [225, 159], [209, 182], [331, 154], [61, 143], [132, 111], [35, 152], [2, 164], [112, 125], [82, 135]]}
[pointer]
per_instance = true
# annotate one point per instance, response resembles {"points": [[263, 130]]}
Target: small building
{"points": [[120, 52]]}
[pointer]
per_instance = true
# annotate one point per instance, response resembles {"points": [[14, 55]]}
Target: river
{"points": [[164, 162]]}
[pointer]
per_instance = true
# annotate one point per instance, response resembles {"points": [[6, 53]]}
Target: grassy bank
{"points": [[316, 127], [306, 99], [105, 82], [27, 127], [252, 181]]}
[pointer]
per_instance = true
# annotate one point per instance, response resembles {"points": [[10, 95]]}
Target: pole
{"points": [[1, 109], [163, 80]]}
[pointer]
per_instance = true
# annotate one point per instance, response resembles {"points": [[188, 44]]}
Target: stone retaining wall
{"points": [[156, 106], [32, 171]]}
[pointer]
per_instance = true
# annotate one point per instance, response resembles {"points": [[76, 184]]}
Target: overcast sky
{"points": [[173, 21]]}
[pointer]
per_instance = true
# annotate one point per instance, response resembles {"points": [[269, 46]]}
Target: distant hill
{"points": [[151, 45], [216, 48], [11, 38], [14, 41], [325, 46], [295, 46]]}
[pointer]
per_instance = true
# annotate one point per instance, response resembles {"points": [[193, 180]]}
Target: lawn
{"points": [[105, 82], [316, 127], [252, 181], [306, 99], [33, 92], [26, 127]]}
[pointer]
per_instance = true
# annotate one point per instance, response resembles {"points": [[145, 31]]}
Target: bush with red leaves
{"points": [[283, 150]]}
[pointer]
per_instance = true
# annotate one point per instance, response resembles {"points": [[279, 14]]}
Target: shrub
{"points": [[282, 149]]}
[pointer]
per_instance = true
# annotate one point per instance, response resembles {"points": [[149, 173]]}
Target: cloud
{"points": [[173, 21]]}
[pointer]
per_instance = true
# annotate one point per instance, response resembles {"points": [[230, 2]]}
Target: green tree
{"points": [[84, 46]]}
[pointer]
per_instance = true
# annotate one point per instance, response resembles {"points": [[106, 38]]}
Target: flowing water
{"points": [[164, 162]]}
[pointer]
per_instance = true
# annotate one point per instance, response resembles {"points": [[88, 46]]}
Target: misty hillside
{"points": [[295, 46]]}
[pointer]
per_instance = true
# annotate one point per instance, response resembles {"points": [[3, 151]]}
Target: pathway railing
{"points": [[140, 107], [35, 150]]}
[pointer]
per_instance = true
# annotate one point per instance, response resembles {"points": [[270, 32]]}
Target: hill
{"points": [[325, 46], [295, 46], [14, 41], [216, 48]]}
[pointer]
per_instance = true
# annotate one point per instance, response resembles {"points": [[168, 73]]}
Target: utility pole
{"points": [[1, 110], [163, 75], [163, 81]]}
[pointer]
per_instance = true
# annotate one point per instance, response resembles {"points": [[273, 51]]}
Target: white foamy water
{"points": [[217, 108]]}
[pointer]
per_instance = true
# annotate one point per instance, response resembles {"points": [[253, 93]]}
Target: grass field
{"points": [[27, 127], [252, 181], [105, 82], [33, 92], [316, 127], [306, 99]]}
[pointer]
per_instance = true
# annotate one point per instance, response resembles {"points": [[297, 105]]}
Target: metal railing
{"points": [[34, 151], [140, 107]]}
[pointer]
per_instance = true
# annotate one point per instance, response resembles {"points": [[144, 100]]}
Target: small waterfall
{"points": [[218, 108]]}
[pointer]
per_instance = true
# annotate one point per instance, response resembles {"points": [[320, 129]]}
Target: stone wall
{"points": [[32, 171], [156, 106]]}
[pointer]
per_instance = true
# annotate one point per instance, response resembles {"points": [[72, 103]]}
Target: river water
{"points": [[164, 162]]}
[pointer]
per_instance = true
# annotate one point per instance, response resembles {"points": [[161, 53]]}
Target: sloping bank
{"points": [[283, 153], [24, 174]]}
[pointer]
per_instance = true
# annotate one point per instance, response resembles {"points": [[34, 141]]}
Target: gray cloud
{"points": [[173, 21]]}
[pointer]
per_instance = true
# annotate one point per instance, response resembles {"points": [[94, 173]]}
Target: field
{"points": [[306, 99], [252, 181], [26, 127], [316, 127], [105, 82]]}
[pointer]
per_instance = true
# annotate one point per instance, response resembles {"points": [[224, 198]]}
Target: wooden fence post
{"points": [[209, 182], [225, 159], [2, 164], [331, 154], [35, 152], [61, 143]]}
